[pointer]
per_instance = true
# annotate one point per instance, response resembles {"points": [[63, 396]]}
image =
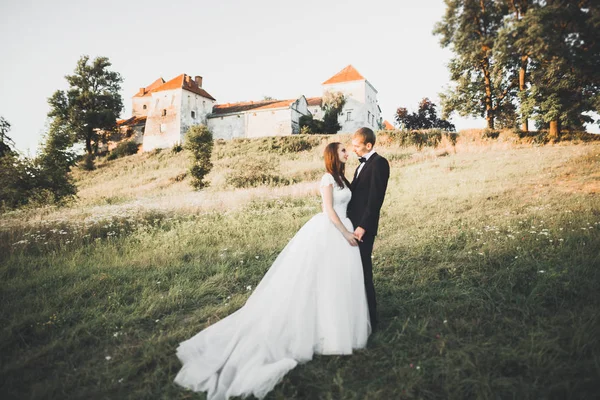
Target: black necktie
{"points": [[362, 159]]}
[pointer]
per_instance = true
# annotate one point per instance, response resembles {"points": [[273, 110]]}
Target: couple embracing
{"points": [[317, 296]]}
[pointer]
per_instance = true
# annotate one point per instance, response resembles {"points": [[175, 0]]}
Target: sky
{"points": [[244, 50]]}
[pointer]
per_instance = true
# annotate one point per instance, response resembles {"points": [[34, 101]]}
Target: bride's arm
{"points": [[327, 193]]}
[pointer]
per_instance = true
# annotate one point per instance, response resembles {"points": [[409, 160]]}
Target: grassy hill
{"points": [[486, 269]]}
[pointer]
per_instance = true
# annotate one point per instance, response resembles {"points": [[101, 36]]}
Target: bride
{"points": [[312, 300]]}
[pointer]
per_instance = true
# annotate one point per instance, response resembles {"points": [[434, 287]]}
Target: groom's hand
{"points": [[359, 233]]}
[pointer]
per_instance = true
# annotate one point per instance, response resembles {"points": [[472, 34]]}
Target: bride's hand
{"points": [[350, 238]]}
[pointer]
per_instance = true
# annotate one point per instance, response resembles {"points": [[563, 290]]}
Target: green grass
{"points": [[487, 271]]}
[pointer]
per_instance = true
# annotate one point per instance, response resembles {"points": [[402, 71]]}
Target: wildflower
{"points": [[108, 358], [249, 287], [445, 321], [256, 257], [411, 365], [418, 367], [541, 271]]}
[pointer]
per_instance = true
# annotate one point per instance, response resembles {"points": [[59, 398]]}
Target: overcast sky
{"points": [[244, 50]]}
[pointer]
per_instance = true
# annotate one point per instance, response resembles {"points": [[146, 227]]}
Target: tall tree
{"points": [[513, 53], [563, 39], [91, 104], [470, 28], [6, 143]]}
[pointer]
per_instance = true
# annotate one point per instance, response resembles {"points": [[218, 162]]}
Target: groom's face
{"points": [[359, 146]]}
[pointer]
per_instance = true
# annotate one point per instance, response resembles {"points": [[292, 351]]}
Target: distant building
{"points": [[255, 119], [163, 111]]}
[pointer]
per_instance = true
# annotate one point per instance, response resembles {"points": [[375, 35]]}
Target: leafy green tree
{"points": [[333, 103], [54, 164], [425, 118], [470, 28], [91, 104], [6, 143], [563, 40], [199, 142], [515, 58]]}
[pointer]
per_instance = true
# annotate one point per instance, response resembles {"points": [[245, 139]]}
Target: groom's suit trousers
{"points": [[366, 248]]}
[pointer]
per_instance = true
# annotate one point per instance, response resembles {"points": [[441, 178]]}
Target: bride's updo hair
{"points": [[334, 165]]}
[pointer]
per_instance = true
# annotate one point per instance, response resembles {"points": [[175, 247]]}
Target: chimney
{"points": [[142, 91], [198, 80]]}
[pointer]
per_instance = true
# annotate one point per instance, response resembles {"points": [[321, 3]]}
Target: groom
{"points": [[368, 190]]}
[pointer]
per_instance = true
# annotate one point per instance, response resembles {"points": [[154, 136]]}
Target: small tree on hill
{"points": [[92, 103], [425, 118], [199, 142]]}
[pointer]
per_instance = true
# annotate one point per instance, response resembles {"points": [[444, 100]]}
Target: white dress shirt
{"points": [[366, 156]]}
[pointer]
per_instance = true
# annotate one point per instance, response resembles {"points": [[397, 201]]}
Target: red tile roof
{"points": [[148, 89], [315, 101], [346, 75], [229, 108], [182, 81], [387, 125], [132, 121]]}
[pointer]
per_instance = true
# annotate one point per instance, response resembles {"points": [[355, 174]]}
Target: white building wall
{"points": [[227, 126], [138, 104], [200, 106], [163, 131], [361, 108], [269, 122]]}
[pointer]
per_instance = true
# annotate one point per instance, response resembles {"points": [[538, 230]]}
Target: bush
{"points": [[177, 148], [288, 144], [422, 138], [123, 149], [87, 162], [199, 141], [490, 134], [250, 172]]}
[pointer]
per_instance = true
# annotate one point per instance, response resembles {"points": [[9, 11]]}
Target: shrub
{"points": [[490, 134], [177, 148], [123, 149], [250, 172], [199, 141], [422, 138], [87, 162]]}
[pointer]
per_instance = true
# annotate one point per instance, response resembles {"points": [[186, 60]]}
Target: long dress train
{"points": [[312, 300]]}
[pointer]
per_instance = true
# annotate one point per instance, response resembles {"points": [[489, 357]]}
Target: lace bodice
{"points": [[341, 197]]}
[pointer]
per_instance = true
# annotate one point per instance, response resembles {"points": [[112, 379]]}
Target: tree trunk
{"points": [[522, 88], [489, 109], [554, 130], [88, 145]]}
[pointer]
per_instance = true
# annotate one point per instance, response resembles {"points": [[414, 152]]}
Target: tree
{"points": [[425, 118], [470, 28], [54, 164], [92, 103], [6, 143], [333, 103], [515, 58], [563, 39], [199, 142]]}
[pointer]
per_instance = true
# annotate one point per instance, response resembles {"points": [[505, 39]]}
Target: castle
{"points": [[163, 111]]}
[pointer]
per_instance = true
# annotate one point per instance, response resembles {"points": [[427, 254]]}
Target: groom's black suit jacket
{"points": [[368, 192]]}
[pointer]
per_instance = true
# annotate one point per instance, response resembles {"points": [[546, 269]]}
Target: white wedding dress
{"points": [[312, 300]]}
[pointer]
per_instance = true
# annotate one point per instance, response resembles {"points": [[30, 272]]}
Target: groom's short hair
{"points": [[366, 134]]}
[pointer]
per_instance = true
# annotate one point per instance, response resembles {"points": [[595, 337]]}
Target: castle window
{"points": [[349, 115], [144, 107], [193, 114], [164, 113], [369, 116], [163, 127]]}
